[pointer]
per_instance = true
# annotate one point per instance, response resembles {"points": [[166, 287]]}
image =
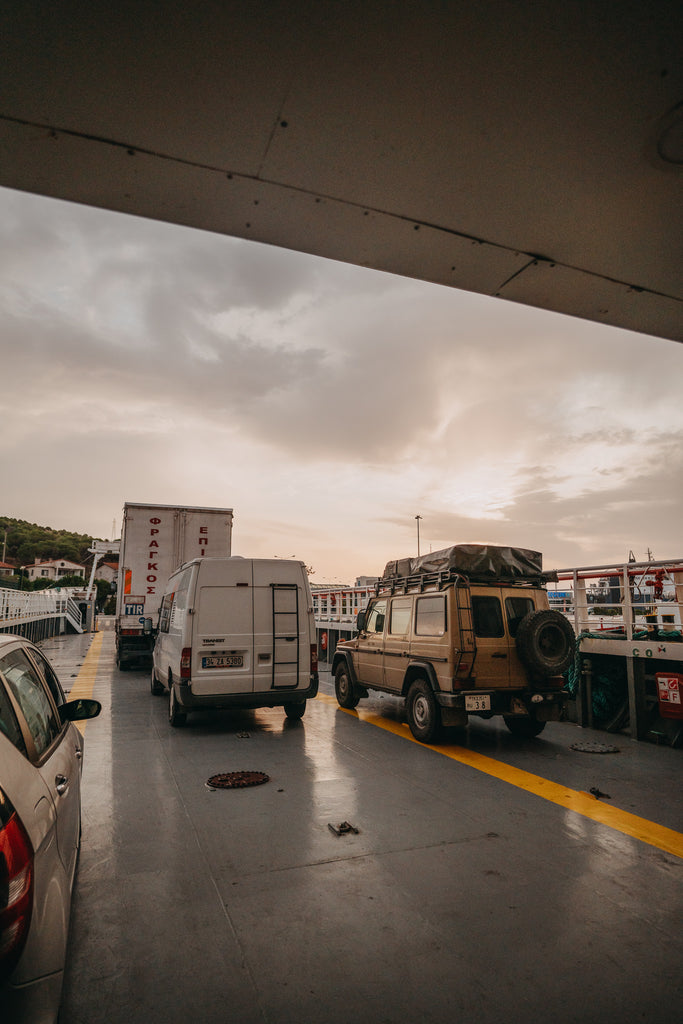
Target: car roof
{"points": [[10, 638]]}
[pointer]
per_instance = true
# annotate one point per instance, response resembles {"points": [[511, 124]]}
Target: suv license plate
{"points": [[482, 703], [223, 661]]}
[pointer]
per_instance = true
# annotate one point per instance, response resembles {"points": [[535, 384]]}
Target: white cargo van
{"points": [[236, 633]]}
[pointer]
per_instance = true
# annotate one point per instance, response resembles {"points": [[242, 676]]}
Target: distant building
{"points": [[54, 570], [6, 569], [108, 571]]}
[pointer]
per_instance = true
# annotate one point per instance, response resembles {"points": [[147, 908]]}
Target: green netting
{"points": [[609, 681]]}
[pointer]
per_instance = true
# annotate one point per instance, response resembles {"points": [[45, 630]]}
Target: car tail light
{"points": [[16, 886], [314, 657], [185, 662]]}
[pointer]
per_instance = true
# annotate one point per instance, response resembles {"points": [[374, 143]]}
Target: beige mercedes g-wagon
{"points": [[459, 632]]}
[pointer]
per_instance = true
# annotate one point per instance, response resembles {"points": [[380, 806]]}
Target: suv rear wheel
{"points": [[526, 728], [347, 696], [422, 710]]}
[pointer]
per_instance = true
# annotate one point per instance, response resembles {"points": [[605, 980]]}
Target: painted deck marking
{"points": [[649, 832], [85, 680]]}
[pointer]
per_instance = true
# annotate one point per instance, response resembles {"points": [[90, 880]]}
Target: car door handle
{"points": [[499, 655], [61, 784]]}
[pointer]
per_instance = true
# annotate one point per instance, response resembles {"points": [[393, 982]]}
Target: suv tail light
{"points": [[185, 662], [16, 886], [314, 657]]}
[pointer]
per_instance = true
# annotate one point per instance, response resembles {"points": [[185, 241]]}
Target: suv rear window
{"points": [[430, 617], [516, 608], [488, 616]]}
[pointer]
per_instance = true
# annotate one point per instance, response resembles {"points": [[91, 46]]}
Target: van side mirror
{"points": [[360, 621]]}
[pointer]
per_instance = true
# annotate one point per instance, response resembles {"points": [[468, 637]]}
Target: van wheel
{"points": [[295, 711], [526, 728], [347, 696], [175, 716], [424, 717], [545, 642], [156, 686]]}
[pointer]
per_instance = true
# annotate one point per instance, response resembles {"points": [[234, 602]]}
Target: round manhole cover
{"points": [[594, 748], [237, 780]]}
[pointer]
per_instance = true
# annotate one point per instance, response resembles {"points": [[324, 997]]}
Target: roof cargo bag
{"points": [[478, 561]]}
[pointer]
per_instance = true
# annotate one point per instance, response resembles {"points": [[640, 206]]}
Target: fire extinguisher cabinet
{"points": [[669, 691]]}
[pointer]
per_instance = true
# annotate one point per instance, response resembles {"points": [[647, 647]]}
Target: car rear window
{"points": [[8, 722]]}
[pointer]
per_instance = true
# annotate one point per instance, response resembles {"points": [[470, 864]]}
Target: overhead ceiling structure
{"points": [[532, 151]]}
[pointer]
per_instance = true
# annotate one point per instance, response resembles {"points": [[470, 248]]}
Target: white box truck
{"points": [[155, 540], [236, 633]]}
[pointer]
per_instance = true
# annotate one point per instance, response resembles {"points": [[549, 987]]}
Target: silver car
{"points": [[40, 827]]}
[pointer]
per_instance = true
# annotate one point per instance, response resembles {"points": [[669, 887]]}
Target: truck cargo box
{"points": [[155, 541]]}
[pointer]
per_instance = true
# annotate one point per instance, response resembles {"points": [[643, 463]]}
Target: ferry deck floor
{"points": [[479, 888]]}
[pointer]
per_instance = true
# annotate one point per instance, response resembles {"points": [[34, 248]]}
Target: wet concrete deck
{"points": [[465, 895]]}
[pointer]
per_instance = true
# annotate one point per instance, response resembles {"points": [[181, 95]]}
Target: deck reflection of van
{"points": [[236, 633]]}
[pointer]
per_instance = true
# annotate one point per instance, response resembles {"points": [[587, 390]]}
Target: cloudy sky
{"points": [[328, 405]]}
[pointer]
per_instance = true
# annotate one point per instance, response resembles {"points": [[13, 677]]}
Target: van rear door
{"points": [[281, 634], [223, 628]]}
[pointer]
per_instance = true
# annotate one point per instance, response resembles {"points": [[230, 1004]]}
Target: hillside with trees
{"points": [[25, 543]]}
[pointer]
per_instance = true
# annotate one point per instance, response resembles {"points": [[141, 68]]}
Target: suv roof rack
{"points": [[441, 578]]}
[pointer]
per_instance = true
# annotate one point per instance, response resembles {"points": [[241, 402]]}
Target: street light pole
{"points": [[417, 519]]}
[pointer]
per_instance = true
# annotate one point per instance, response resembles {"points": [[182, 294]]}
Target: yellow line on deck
{"points": [[665, 839], [85, 680]]}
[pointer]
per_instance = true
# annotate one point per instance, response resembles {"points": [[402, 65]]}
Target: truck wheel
{"points": [[156, 686], [545, 642], [347, 697], [424, 717], [175, 716], [295, 711], [526, 728]]}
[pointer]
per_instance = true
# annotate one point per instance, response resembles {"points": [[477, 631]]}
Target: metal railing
{"points": [[18, 608], [633, 601]]}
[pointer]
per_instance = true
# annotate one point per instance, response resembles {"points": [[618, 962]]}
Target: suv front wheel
{"points": [[424, 717], [347, 696]]}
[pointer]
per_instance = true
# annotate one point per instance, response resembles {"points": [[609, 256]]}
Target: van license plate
{"points": [[482, 703], [223, 661]]}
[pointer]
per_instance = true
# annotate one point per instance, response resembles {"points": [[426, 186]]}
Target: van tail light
{"points": [[185, 662], [314, 657], [16, 886]]}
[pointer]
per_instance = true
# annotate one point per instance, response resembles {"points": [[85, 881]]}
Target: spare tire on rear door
{"points": [[545, 642]]}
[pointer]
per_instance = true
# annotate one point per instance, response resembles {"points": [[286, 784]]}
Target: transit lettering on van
{"points": [[264, 652]]}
